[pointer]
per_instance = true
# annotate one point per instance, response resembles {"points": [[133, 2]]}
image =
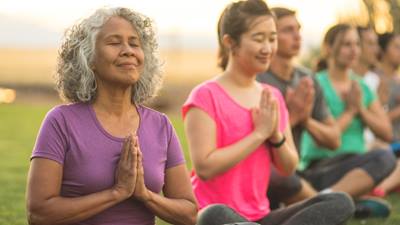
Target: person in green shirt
{"points": [[349, 168]]}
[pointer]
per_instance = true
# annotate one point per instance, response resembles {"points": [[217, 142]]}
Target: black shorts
{"points": [[282, 187]]}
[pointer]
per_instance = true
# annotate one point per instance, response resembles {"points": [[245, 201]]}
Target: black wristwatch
{"points": [[279, 144]]}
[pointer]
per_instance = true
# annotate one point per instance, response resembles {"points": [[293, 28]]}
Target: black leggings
{"points": [[324, 209], [326, 172]]}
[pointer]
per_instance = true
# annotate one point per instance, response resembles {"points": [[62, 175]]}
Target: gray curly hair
{"points": [[75, 79]]}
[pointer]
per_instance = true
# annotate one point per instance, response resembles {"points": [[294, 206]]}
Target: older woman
{"points": [[104, 158]]}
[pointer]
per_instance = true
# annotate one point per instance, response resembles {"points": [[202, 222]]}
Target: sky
{"points": [[180, 23]]}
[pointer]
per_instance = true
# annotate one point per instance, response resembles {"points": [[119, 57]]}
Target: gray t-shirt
{"points": [[320, 111], [393, 102]]}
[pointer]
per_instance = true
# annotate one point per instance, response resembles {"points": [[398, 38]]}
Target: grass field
{"points": [[18, 129]]}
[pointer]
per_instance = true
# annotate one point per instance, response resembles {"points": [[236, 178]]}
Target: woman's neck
{"points": [[337, 73], [113, 101], [238, 77], [282, 67], [361, 68]]}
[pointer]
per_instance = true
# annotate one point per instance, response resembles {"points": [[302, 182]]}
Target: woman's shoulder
{"points": [[63, 110], [152, 116], [322, 74], [205, 86], [205, 91], [154, 120]]}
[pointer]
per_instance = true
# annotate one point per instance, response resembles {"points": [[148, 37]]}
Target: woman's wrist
{"points": [[146, 197], [276, 137], [118, 194], [277, 144], [259, 135]]}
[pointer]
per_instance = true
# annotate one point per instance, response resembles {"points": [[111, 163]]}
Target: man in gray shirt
{"points": [[306, 106]]}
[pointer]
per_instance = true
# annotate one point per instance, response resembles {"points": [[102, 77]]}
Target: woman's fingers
{"points": [[263, 99], [125, 150]]}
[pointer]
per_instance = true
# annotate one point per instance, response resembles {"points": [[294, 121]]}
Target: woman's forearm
{"points": [[61, 210], [326, 135], [379, 124], [174, 211], [345, 119], [222, 159], [394, 114], [285, 157]]}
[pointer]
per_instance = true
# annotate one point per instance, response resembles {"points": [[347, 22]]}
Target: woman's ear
{"points": [[227, 42], [326, 51]]}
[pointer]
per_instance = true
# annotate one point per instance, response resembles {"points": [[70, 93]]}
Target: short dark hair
{"points": [[362, 29], [281, 12], [385, 39]]}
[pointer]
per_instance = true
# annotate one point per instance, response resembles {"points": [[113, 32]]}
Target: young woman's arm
{"points": [[376, 119], [325, 133], [208, 161], [394, 114], [345, 119], [200, 130], [285, 157], [45, 206]]}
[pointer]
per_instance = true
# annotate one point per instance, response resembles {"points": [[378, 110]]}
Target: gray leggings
{"points": [[326, 172], [324, 209]]}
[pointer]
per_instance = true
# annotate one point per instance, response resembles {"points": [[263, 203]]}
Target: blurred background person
{"points": [[365, 67], [305, 102], [83, 168], [349, 168], [389, 90], [366, 64]]}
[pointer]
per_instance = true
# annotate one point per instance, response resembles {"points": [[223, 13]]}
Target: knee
{"points": [[342, 202], [345, 201], [210, 213], [214, 209], [386, 161]]}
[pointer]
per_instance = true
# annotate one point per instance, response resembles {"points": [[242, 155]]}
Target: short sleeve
{"points": [[51, 142], [320, 110], [200, 97], [174, 151], [283, 112]]}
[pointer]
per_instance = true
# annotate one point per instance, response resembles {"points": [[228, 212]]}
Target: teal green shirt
{"points": [[352, 139]]}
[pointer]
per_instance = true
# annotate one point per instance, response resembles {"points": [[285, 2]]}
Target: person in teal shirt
{"points": [[352, 138], [349, 168]]}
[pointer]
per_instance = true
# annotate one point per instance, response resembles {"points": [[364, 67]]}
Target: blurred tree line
{"points": [[382, 15]]}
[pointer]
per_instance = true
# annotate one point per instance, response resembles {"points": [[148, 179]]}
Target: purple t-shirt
{"points": [[72, 136]]}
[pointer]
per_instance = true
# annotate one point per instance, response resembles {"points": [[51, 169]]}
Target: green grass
{"points": [[18, 128], [19, 125]]}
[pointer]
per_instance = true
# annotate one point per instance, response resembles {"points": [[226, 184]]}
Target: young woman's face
{"points": [[118, 56], [257, 45], [392, 53], [348, 49]]}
